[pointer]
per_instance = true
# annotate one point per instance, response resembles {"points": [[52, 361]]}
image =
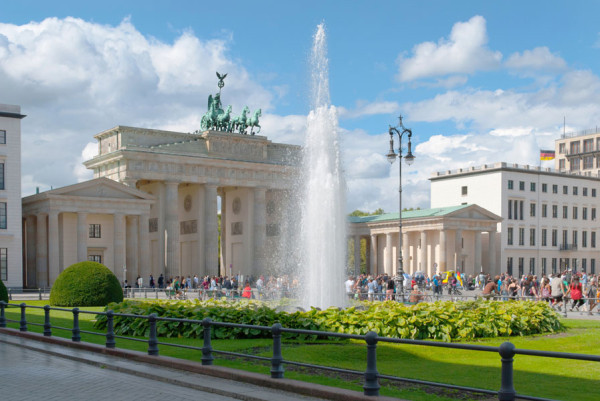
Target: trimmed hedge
{"points": [[86, 284], [446, 321], [3, 292]]}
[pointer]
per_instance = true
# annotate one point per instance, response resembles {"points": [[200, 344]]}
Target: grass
{"points": [[541, 377]]}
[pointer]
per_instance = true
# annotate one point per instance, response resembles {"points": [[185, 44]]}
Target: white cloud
{"points": [[363, 109], [464, 52], [539, 59]]}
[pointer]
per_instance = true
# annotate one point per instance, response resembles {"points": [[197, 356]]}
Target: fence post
{"points": [[207, 358], [156, 290], [276, 361], [507, 390], [76, 332], [152, 339], [110, 333], [2, 315], [371, 386], [47, 326], [10, 294], [23, 322]]}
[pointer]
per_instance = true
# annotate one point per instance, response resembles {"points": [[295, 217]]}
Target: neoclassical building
{"points": [[438, 239]]}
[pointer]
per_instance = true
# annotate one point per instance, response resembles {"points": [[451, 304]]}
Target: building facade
{"points": [[10, 196], [578, 152], [549, 219]]}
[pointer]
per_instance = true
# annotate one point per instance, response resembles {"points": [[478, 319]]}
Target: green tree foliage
{"points": [[86, 284], [3, 292]]}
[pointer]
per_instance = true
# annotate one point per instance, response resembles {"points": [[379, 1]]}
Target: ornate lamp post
{"points": [[400, 130]]}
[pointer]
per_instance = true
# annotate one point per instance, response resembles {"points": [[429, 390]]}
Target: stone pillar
{"points": [[31, 251], [260, 230], [144, 247], [211, 230], [172, 229], [443, 253], [131, 253], [224, 235], [373, 255], [357, 254], [458, 250], [423, 253], [83, 233], [41, 256], [53, 246], [477, 256], [119, 248], [405, 253], [389, 254], [492, 253]]}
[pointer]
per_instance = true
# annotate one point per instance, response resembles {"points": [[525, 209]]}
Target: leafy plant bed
{"points": [[446, 321]]}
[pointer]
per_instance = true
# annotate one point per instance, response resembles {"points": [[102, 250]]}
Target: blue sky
{"points": [[478, 82]]}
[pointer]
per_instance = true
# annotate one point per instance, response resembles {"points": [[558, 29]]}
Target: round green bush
{"points": [[3, 292], [86, 284]]}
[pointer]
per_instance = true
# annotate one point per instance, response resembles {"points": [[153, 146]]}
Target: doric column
{"points": [[423, 253], [458, 249], [357, 254], [119, 247], [53, 246], [374, 266], [31, 251], [224, 235], [260, 230], [492, 252], [211, 230], [442, 264], [477, 256], [389, 254], [172, 228], [41, 256], [131, 252], [83, 233], [144, 247], [405, 253]]}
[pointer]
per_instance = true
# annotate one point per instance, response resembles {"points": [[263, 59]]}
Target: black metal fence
{"points": [[371, 386]]}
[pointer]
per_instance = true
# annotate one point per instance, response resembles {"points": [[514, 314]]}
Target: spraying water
{"points": [[323, 227]]}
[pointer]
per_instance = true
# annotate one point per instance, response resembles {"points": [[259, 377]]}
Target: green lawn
{"points": [[541, 377]]}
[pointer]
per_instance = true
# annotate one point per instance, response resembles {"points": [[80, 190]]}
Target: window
{"points": [[574, 237], [2, 176], [565, 212], [584, 191], [521, 209], [593, 239], [521, 236], [554, 211], [543, 266], [554, 265], [562, 148], [575, 190], [588, 162], [544, 239], [4, 263], [588, 145], [95, 258], [532, 209], [522, 185], [565, 238], [565, 190], [95, 231], [532, 186], [510, 209], [583, 265], [554, 238], [2, 136], [554, 189], [511, 184], [574, 264], [463, 191], [509, 265], [584, 213], [510, 235], [3, 215], [544, 210], [593, 192], [521, 263], [532, 237], [584, 239], [574, 212], [544, 187], [574, 147], [593, 213], [531, 265], [593, 266], [561, 164]]}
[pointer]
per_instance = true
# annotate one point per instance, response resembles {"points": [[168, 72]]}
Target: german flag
{"points": [[547, 154]]}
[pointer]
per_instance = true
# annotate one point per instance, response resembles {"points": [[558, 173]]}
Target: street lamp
{"points": [[400, 130]]}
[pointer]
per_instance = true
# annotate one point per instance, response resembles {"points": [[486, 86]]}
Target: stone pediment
{"points": [[100, 188], [474, 212]]}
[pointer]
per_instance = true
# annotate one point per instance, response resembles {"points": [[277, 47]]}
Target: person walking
{"points": [[576, 292]]}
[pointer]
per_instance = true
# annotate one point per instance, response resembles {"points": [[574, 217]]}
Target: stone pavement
{"points": [[33, 367]]}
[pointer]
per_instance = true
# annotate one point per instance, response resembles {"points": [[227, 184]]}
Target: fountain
{"points": [[323, 206]]}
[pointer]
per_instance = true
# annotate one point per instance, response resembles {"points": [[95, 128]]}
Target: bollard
{"points": [[23, 322], [152, 339], [207, 358], [110, 333], [507, 390], [10, 294], [156, 293], [276, 361], [76, 332], [371, 386], [47, 326], [2, 315], [40, 294]]}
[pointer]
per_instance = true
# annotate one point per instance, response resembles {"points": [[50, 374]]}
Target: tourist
{"points": [[140, 282], [491, 288], [349, 284], [416, 295], [576, 292], [389, 292], [247, 293], [557, 291], [546, 290], [370, 289], [161, 281], [151, 281], [513, 289], [592, 294]]}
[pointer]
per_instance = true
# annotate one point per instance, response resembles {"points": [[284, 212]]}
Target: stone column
{"points": [[172, 229], [119, 248], [423, 253], [458, 249], [211, 230], [389, 254], [83, 232], [442, 262], [492, 252], [477, 256], [144, 247], [53, 246], [41, 256], [31, 251], [374, 265], [357, 254], [131, 252], [224, 235], [405, 253], [260, 230]]}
